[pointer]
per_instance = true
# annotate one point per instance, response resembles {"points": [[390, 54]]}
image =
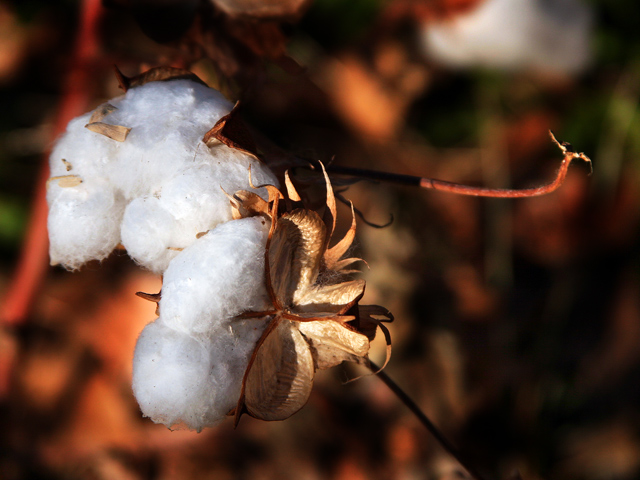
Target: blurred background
{"points": [[517, 321]]}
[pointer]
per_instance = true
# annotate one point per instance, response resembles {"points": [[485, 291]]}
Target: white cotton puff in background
{"points": [[162, 158], [551, 36], [188, 364]]}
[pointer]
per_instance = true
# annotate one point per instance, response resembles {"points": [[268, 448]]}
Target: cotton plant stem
{"points": [[32, 263], [428, 424], [443, 186]]}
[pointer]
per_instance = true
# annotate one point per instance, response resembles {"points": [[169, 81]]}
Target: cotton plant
{"points": [[254, 300], [256, 295]]}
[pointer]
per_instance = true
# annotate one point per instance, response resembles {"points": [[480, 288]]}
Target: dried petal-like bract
{"points": [[314, 312]]}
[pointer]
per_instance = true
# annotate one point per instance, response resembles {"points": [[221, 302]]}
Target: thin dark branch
{"points": [[429, 425], [443, 186], [361, 215]]}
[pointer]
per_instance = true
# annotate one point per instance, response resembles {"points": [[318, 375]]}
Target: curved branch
{"points": [[443, 186]]}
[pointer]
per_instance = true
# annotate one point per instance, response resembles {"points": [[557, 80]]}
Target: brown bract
{"points": [[232, 132], [156, 74], [316, 322]]}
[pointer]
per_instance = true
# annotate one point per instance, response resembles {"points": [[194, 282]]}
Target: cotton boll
{"points": [[167, 121], [182, 380], [83, 223], [552, 36], [172, 377], [147, 232], [189, 363], [218, 277], [172, 179]]}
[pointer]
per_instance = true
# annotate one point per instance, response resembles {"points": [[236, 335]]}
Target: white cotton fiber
{"points": [[552, 36], [170, 179], [172, 376], [82, 223], [189, 363], [217, 277], [147, 233]]}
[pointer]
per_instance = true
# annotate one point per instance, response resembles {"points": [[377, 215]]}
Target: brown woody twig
{"points": [[443, 186]]}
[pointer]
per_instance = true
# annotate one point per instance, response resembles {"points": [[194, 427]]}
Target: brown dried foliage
{"points": [[315, 320]]}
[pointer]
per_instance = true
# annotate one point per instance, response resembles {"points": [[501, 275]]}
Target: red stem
{"points": [[32, 263], [441, 185]]}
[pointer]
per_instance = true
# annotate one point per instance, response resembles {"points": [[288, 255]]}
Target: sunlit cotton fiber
{"points": [[189, 363], [154, 191]]}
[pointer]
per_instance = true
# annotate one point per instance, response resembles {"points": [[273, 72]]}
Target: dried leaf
{"points": [[247, 204], [152, 297], [66, 181], [101, 112], [333, 254], [114, 132], [157, 74], [334, 343], [331, 211], [290, 10], [231, 131], [332, 297], [292, 193], [280, 380], [345, 262]]}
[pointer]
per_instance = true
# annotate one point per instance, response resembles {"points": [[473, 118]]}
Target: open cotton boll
{"points": [[218, 277], [552, 36], [162, 157], [155, 228], [83, 223], [189, 364], [167, 121], [180, 380], [172, 377]]}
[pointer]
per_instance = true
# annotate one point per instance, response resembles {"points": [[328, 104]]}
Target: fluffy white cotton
{"points": [[147, 232], [217, 277], [547, 35], [166, 182], [172, 376], [189, 363], [80, 222]]}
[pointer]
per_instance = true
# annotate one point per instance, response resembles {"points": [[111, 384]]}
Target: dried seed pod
{"points": [[313, 324]]}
